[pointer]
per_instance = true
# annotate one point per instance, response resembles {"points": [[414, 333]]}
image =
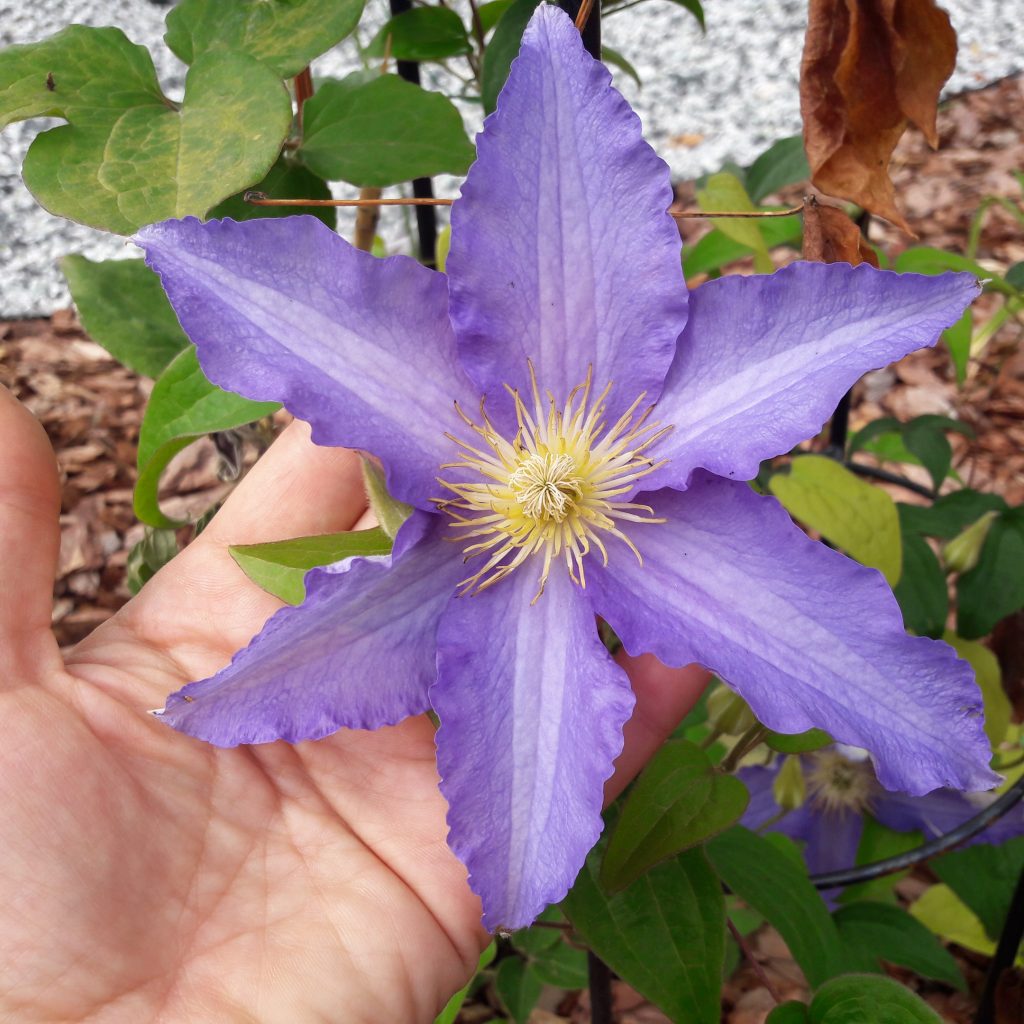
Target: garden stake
{"points": [[426, 219]]}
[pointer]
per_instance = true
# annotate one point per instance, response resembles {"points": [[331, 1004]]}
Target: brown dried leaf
{"points": [[831, 237], [869, 67]]}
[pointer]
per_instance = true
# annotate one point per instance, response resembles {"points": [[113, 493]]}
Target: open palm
{"points": [[148, 876]]}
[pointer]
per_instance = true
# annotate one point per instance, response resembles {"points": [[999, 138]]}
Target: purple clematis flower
{"points": [[510, 403], [841, 788]]}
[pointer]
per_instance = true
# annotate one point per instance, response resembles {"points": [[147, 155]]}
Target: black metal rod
{"points": [[599, 979], [1005, 954], [592, 30], [941, 844], [840, 426], [422, 188]]}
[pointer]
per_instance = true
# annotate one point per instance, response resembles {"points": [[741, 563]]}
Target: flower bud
{"points": [[961, 554], [789, 788], [389, 512], [728, 713]]}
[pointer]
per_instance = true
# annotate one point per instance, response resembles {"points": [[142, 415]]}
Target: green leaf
{"points": [[280, 566], [184, 406], [284, 34], [958, 341], [876, 428], [994, 588], [941, 911], [778, 887], [518, 987], [880, 931], [536, 939], [798, 743], [725, 192], [984, 877], [613, 57], [879, 842], [788, 1013], [562, 966], [951, 514], [679, 800], [123, 307], [149, 556], [451, 1010], [921, 591], [716, 249], [695, 8], [381, 132], [868, 999], [664, 935], [923, 259], [129, 156], [1015, 276], [491, 11], [502, 49], [424, 33], [925, 437], [853, 515], [998, 709], [783, 163], [285, 180]]}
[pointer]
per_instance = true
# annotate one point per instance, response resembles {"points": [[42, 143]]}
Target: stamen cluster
{"points": [[551, 490], [839, 785]]}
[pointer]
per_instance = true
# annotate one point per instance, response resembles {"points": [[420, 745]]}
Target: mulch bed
{"points": [[92, 409]]}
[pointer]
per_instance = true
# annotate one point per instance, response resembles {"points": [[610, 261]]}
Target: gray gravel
{"points": [[705, 99]]}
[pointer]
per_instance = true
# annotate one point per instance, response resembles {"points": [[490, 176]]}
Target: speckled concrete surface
{"points": [[726, 94]]}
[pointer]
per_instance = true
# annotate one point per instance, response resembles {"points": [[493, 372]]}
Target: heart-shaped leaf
{"points": [[284, 34]]}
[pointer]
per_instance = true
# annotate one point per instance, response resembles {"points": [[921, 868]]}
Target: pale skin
{"points": [[146, 876]]}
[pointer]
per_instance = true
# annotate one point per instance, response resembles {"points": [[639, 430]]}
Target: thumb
{"points": [[29, 539]]}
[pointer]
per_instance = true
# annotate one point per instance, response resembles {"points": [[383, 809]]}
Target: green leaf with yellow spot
{"points": [[284, 34], [860, 519], [128, 156]]}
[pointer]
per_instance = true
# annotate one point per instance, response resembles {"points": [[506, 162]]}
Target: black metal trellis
{"points": [[422, 188]]}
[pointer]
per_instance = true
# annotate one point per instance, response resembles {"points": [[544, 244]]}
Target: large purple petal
{"points": [[285, 310], [531, 709], [764, 360], [806, 636], [562, 250], [942, 811], [358, 652]]}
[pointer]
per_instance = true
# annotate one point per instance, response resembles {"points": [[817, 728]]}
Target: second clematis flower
{"points": [[573, 432]]}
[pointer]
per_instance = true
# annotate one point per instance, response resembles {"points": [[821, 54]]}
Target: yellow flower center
{"points": [[839, 785], [550, 492]]}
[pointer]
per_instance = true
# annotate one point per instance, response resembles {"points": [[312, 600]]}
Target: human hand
{"points": [[151, 877]]}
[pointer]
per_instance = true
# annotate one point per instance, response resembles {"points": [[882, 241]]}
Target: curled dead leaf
{"points": [[869, 67], [831, 237]]}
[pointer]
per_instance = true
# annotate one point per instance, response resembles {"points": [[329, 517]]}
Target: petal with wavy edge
{"points": [[284, 310], [562, 250], [764, 360], [806, 636], [531, 709], [359, 652]]}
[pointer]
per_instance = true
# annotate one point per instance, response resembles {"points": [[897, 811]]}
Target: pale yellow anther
{"points": [[549, 491]]}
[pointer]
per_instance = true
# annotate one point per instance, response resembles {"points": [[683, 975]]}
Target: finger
{"points": [[29, 535], [664, 697]]}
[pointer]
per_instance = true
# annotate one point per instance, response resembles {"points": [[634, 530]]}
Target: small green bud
{"points": [[789, 788], [728, 713], [961, 554], [389, 512]]}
